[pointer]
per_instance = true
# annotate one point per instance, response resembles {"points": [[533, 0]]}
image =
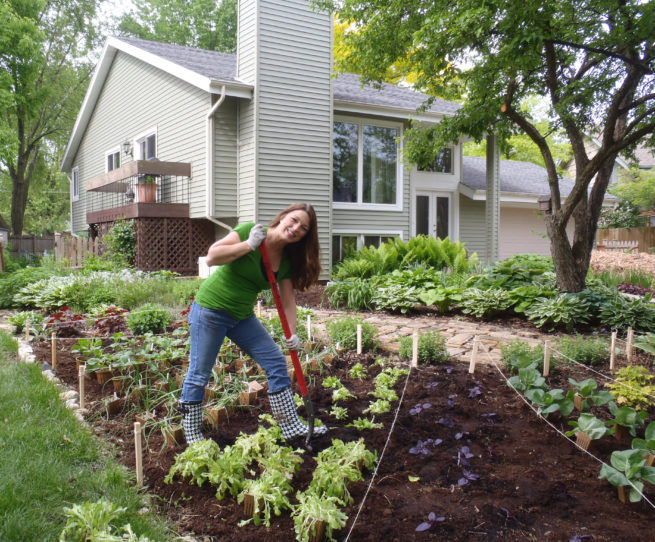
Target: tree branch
{"points": [[612, 54]]}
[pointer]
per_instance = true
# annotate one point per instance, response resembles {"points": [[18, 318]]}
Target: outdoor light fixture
{"points": [[127, 147]]}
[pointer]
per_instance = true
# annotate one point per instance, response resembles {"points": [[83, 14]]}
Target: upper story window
{"points": [[443, 162], [146, 146], [366, 168], [75, 184], [113, 159]]}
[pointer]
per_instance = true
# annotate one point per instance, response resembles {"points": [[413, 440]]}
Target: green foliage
{"points": [[10, 283], [344, 331], [8, 345], [431, 348], [395, 254], [19, 319], [202, 24], [120, 241], [518, 354], [646, 342], [353, 295], [620, 312], [148, 318], [523, 297], [563, 311], [587, 350], [91, 521], [512, 272], [627, 417], [623, 215], [485, 304], [551, 401], [395, 298], [311, 509], [648, 442], [633, 387], [441, 297], [526, 379], [636, 187], [588, 390], [628, 469], [588, 424]]}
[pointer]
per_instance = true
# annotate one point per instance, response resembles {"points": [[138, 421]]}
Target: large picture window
{"points": [[365, 163], [442, 163]]}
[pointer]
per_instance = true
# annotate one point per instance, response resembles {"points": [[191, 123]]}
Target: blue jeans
{"points": [[208, 329]]}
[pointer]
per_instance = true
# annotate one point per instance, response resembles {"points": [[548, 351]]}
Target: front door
{"points": [[432, 214]]}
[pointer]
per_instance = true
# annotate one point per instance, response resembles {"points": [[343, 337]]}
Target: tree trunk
{"points": [[569, 271], [19, 192]]}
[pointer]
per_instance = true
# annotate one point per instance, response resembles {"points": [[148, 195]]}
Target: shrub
{"points": [[18, 319], [120, 241], [515, 271], [563, 311], [620, 312], [10, 283], [150, 317], [485, 304], [633, 387], [587, 350], [431, 348], [354, 295], [344, 331], [517, 355]]}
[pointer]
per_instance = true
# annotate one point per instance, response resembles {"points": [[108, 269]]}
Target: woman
{"points": [[224, 307]]}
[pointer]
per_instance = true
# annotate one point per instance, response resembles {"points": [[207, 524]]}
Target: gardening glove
{"points": [[257, 235], [292, 343]]}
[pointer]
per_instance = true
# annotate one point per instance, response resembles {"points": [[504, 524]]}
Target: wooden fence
{"points": [[31, 244], [644, 236], [73, 250]]}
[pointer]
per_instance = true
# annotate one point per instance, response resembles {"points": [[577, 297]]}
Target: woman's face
{"points": [[294, 226]]}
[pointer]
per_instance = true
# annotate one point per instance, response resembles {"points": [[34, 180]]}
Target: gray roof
{"points": [[645, 157], [515, 177], [347, 86]]}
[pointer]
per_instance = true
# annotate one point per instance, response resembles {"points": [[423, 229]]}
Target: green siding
{"points": [[176, 109], [472, 226], [225, 160]]}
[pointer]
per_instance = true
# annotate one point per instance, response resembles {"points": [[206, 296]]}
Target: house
{"points": [[226, 138]]}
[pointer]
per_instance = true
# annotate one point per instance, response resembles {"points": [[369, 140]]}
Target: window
{"points": [[365, 163], [147, 147], [443, 162], [75, 184], [112, 160], [345, 245]]}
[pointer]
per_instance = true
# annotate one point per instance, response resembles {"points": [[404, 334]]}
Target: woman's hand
{"points": [[257, 235], [292, 343]]}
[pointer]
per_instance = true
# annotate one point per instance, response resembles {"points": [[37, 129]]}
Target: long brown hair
{"points": [[304, 254]]}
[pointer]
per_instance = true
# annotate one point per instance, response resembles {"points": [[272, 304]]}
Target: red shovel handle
{"points": [[283, 317]]}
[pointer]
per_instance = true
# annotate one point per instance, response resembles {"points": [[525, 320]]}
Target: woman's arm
{"points": [[288, 302], [228, 249]]}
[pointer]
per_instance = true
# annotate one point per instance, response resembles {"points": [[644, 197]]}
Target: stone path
{"points": [[458, 332]]}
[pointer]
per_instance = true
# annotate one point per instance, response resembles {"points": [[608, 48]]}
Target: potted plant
{"points": [[147, 188]]}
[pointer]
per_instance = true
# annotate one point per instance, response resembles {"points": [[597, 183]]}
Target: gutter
{"points": [[209, 173]]}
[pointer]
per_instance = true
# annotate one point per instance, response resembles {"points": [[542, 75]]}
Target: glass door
{"points": [[432, 214]]}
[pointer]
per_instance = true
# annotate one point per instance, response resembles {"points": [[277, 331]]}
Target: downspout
{"points": [[210, 163], [70, 199]]}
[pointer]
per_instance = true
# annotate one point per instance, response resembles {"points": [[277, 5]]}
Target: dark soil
{"points": [[532, 483]]}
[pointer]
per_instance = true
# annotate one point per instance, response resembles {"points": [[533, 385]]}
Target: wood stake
{"points": [[138, 450], [415, 348], [359, 338], [474, 355], [27, 329], [612, 350], [53, 351], [309, 327], [628, 346], [81, 373], [259, 308], [546, 357]]}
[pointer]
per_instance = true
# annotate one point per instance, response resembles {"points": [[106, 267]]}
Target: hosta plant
{"points": [[395, 298], [485, 304], [441, 297], [646, 342], [621, 312], [563, 311], [628, 469], [19, 319]]}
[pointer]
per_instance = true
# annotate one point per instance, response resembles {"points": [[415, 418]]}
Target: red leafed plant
{"points": [[65, 323], [188, 309], [111, 320]]}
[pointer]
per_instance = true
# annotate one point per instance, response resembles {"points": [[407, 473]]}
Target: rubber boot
{"points": [[191, 420], [284, 412]]}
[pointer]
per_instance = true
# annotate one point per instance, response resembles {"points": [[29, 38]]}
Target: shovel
{"points": [[287, 333]]}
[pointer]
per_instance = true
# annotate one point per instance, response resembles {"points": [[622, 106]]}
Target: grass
{"points": [[613, 278], [51, 461]]}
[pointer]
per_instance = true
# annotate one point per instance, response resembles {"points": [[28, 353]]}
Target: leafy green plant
{"points": [[365, 423], [587, 350], [628, 469], [395, 298], [311, 509], [588, 390], [194, 463], [527, 378], [356, 294], [523, 297], [341, 394], [588, 424], [633, 387], [357, 371], [88, 347], [150, 317], [646, 342], [648, 442], [378, 407], [19, 319], [518, 354], [431, 348], [441, 297], [550, 401], [621, 312], [340, 413], [627, 417], [485, 304], [563, 311], [14, 281], [512, 272], [344, 331], [120, 241]]}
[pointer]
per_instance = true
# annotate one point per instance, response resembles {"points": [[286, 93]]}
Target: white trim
{"points": [[136, 143], [115, 150], [360, 205], [347, 106], [350, 232], [453, 209], [75, 183]]}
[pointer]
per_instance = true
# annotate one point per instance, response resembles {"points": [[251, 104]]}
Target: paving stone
{"points": [[459, 339]]}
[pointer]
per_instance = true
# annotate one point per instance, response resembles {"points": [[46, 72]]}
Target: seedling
{"points": [[378, 407], [432, 519], [357, 371], [365, 423], [587, 390], [628, 469], [551, 401], [527, 378], [588, 424], [418, 408], [463, 455], [467, 477], [490, 417], [627, 417], [447, 422], [340, 413], [422, 447]]}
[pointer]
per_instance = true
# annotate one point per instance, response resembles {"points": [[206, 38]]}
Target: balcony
{"points": [[139, 189]]}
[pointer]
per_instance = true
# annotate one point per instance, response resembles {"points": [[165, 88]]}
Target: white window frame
{"points": [[75, 184], [111, 152], [452, 164], [360, 234], [359, 205], [136, 145], [453, 209]]}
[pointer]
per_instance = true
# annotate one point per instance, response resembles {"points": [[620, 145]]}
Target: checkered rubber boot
{"points": [[191, 420], [284, 412]]}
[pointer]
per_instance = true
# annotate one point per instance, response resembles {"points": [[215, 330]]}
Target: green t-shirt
{"points": [[234, 287]]}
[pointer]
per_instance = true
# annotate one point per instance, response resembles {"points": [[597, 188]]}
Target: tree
{"points": [[592, 60], [43, 78], [636, 186], [206, 24]]}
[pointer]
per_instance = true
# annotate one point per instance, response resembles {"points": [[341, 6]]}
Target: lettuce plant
{"points": [[588, 424], [587, 389], [551, 401], [628, 469], [627, 417]]}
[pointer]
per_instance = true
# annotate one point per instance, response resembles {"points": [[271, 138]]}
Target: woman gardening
{"points": [[224, 306]]}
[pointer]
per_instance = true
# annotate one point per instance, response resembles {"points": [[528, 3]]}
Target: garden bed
{"points": [[524, 481]]}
